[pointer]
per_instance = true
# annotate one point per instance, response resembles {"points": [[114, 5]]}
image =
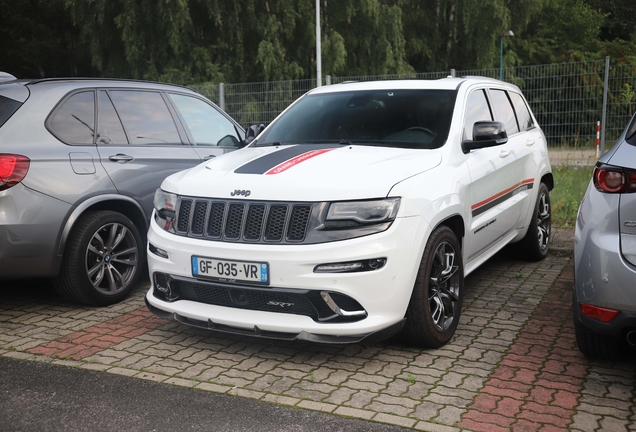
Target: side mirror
{"points": [[486, 134], [252, 132]]}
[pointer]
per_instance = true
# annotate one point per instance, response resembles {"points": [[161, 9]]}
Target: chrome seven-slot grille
{"points": [[243, 221]]}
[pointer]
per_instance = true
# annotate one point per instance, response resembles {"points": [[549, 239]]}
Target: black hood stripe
{"points": [[271, 160]]}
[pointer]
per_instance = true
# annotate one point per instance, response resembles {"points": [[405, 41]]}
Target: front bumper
{"points": [[382, 294]]}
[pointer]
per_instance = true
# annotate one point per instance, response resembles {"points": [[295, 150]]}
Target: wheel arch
{"points": [[119, 203], [548, 179], [456, 224]]}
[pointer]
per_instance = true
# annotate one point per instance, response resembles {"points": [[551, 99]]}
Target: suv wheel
{"points": [[536, 243], [436, 303], [103, 259]]}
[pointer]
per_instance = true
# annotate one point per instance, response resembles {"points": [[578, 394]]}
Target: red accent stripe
{"points": [[284, 166], [503, 192]]}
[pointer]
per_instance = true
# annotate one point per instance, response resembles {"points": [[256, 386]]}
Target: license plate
{"points": [[230, 271]]}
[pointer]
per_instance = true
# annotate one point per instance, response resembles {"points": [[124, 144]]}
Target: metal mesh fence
{"points": [[566, 98]]}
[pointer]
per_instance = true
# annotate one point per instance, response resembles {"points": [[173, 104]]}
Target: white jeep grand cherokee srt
{"points": [[355, 215]]}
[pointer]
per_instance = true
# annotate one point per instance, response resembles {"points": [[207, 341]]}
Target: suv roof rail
{"points": [[44, 80]]}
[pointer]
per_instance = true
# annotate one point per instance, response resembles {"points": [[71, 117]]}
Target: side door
{"points": [[495, 179], [530, 144], [139, 142], [209, 130]]}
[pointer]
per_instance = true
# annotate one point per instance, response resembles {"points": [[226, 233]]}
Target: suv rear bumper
{"points": [[29, 233]]}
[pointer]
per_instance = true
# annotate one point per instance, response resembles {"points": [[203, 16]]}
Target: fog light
{"points": [[157, 251], [598, 313], [351, 266], [161, 283]]}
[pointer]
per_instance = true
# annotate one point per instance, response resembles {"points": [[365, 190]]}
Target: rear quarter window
{"points": [[74, 121], [523, 113], [8, 106], [504, 111]]}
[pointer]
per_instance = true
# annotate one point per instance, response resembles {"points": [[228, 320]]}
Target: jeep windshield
{"points": [[394, 118]]}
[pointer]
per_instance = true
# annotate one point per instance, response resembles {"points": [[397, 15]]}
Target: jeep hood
{"points": [[303, 173]]}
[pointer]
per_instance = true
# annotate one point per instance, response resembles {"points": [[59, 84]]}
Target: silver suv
{"points": [[80, 160]]}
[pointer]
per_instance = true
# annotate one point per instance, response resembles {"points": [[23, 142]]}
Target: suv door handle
{"points": [[530, 142], [504, 153], [208, 157], [121, 158]]}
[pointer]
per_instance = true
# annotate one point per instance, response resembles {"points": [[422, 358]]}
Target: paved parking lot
{"points": [[513, 364]]}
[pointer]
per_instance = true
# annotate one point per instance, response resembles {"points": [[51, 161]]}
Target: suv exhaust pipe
{"points": [[631, 338]]}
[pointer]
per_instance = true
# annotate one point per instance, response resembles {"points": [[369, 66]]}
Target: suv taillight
{"points": [[614, 180], [13, 168]]}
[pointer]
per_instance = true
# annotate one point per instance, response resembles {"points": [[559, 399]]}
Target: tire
{"points": [[436, 303], [103, 259], [536, 243]]}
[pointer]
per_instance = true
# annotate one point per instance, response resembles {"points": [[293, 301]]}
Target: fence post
{"points": [[328, 80], [605, 90], [222, 96], [453, 73]]}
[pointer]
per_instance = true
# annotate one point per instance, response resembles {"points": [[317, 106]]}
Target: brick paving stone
{"points": [[360, 399], [340, 396], [363, 385], [397, 410], [317, 406], [355, 413], [397, 388], [376, 379], [427, 411], [514, 335], [337, 377]]}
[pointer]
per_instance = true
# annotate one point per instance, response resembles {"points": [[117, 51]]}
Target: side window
{"points": [[523, 113], [110, 130], [504, 111], [476, 110], [207, 126], [146, 117], [74, 121]]}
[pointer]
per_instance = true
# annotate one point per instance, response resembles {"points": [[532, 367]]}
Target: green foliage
{"points": [[570, 184], [193, 41], [563, 30]]}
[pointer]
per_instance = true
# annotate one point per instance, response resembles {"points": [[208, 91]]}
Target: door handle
{"points": [[504, 153], [121, 158], [208, 157], [530, 142]]}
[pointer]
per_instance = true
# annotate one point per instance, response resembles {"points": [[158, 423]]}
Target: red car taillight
{"points": [[13, 168], [610, 180], [598, 313]]}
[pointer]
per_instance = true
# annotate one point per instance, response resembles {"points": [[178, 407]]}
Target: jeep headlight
{"points": [[165, 209], [352, 214]]}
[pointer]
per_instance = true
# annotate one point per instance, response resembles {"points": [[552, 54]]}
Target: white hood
{"points": [[303, 173]]}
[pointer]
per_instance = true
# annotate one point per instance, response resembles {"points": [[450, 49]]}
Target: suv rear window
{"points": [[7, 108]]}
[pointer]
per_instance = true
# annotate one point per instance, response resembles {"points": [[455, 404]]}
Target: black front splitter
{"points": [[301, 336]]}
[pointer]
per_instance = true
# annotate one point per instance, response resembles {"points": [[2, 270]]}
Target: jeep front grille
{"points": [[243, 221]]}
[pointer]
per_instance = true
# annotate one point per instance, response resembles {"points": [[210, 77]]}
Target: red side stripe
{"points": [[284, 166], [503, 192]]}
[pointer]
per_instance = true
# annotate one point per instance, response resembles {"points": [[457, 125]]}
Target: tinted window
{"points": [[477, 110], [504, 111], [207, 126], [7, 108], [146, 117], [74, 121], [523, 114], [110, 128], [400, 118]]}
